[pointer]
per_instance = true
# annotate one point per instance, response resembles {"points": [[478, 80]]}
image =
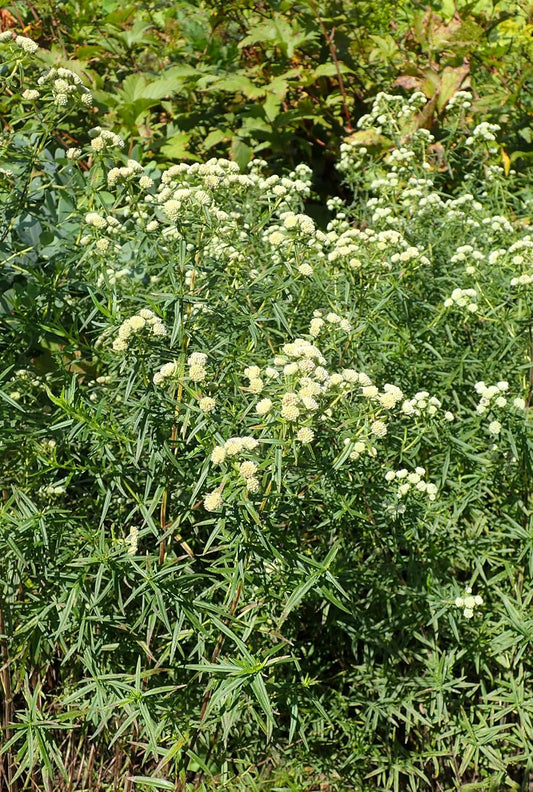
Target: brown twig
{"points": [[180, 784], [331, 44], [8, 704]]}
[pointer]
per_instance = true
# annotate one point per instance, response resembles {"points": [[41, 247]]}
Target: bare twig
{"points": [[8, 704], [181, 784], [331, 44]]}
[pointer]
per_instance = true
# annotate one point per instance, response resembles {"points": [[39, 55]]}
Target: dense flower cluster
{"points": [[144, 321], [411, 481], [468, 602], [65, 84]]}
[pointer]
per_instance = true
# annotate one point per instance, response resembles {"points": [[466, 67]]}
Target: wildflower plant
{"points": [[259, 467]]}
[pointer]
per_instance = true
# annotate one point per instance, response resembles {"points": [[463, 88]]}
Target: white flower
{"points": [[233, 446], [197, 373], [168, 369], [290, 369], [73, 153], [256, 385], [276, 238], [290, 412], [305, 435], [218, 455], [30, 94], [388, 400], [159, 329], [495, 427], [290, 399], [207, 404], [102, 244], [263, 407], [137, 322], [350, 375], [252, 484], [248, 469], [213, 501], [119, 345], [132, 540], [316, 325], [197, 359], [27, 44], [249, 443], [378, 428], [96, 220], [305, 269]]}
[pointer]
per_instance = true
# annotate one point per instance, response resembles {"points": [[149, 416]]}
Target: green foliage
{"points": [[287, 80], [266, 516]]}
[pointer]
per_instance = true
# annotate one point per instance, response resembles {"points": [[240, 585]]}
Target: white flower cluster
{"points": [[200, 182], [518, 254], [144, 320], [358, 447], [411, 481], [468, 603], [461, 100], [165, 371], [467, 254], [109, 223], [196, 364], [498, 223], [389, 113], [463, 298], [207, 404], [388, 109], [485, 132], [26, 44], [104, 139], [383, 248], [491, 396], [234, 447], [294, 240], [30, 94], [255, 383], [422, 403], [213, 500], [319, 321], [124, 173], [522, 280], [65, 84]]}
